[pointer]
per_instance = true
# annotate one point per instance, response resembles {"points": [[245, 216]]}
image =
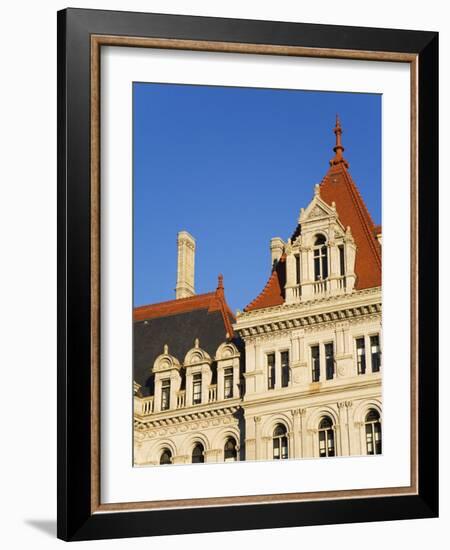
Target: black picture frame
{"points": [[76, 521]]}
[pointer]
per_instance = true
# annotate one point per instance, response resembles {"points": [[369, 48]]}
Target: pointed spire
{"points": [[220, 290], [338, 148], [220, 281]]}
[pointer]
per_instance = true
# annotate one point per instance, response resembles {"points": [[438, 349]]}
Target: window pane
{"points": [[329, 361], [285, 369], [317, 268], [279, 430], [341, 261], [375, 353], [324, 263], [297, 269], [228, 383], [322, 446], [361, 355], [284, 448], [276, 448], [372, 416], [315, 362], [330, 440], [230, 452], [166, 457], [197, 454], [165, 394], [377, 430], [369, 439], [325, 423], [271, 371], [197, 388], [320, 239]]}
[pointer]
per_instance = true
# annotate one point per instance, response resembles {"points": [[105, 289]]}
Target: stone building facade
{"points": [[297, 374]]}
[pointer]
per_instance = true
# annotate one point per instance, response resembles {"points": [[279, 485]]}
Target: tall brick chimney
{"points": [[185, 266]]}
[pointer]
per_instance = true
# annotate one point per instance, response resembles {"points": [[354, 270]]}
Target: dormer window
{"points": [[165, 394], [197, 389], [320, 258], [228, 383]]}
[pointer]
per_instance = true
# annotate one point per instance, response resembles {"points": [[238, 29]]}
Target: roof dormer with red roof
{"points": [[335, 248]]}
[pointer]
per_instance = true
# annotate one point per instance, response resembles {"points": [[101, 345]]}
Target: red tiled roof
{"points": [[338, 187], [273, 293], [212, 301]]}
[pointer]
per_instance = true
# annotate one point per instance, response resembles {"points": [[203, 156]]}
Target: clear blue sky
{"points": [[233, 166]]}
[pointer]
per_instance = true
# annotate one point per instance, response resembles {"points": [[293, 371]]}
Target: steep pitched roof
{"points": [[337, 186], [273, 293], [178, 323]]}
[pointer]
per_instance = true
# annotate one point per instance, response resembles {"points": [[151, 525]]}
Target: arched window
{"points": [[326, 437], [280, 442], [320, 258], [373, 432], [198, 454], [230, 451], [166, 457]]}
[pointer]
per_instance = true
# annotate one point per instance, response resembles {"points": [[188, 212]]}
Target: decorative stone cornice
{"points": [[193, 420], [357, 297], [351, 315]]}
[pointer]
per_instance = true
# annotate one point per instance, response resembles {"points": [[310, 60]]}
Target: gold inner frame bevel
{"points": [[97, 41]]}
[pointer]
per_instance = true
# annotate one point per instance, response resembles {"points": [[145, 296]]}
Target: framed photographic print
{"points": [[247, 274]]}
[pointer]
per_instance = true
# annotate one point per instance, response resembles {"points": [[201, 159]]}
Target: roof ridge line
{"points": [[176, 300]]}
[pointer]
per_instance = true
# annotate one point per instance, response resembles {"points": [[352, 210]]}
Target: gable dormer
{"points": [[320, 259], [166, 369], [198, 375]]}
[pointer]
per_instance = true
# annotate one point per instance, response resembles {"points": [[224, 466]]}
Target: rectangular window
{"points": [[228, 383], [375, 353], [271, 371], [297, 268], [324, 263], [165, 394], [285, 369], [341, 260], [197, 389], [361, 355], [315, 362], [317, 273], [329, 361]]}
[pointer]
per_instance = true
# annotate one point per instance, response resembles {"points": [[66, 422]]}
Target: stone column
{"points": [[313, 443], [277, 370], [343, 427], [258, 441], [360, 427], [334, 267], [157, 398], [213, 455], [307, 273], [302, 422], [344, 356], [266, 451], [323, 370], [297, 361], [180, 459], [291, 284], [296, 445]]}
